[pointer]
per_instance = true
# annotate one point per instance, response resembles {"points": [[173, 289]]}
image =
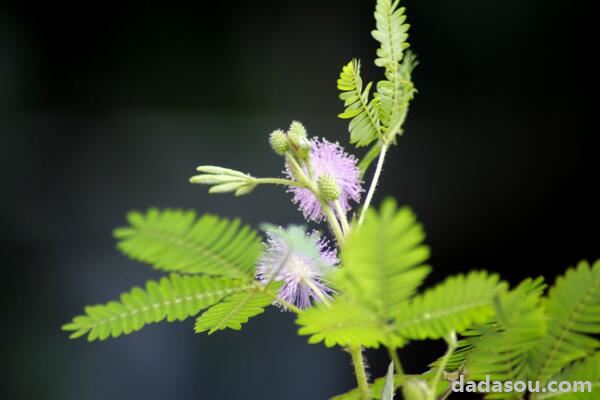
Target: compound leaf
{"points": [[173, 298], [233, 311], [174, 240]]}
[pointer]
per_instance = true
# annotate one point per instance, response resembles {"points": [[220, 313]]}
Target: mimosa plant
{"points": [[361, 287]]}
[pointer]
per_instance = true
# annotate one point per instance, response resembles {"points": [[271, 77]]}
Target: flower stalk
{"points": [[279, 181], [342, 217], [333, 223], [392, 352], [374, 182], [452, 344], [360, 372]]}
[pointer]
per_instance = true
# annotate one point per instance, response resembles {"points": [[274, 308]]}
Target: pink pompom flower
{"points": [[299, 260], [328, 158]]}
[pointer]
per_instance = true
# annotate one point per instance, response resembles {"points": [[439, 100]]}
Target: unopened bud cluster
{"points": [[318, 173], [294, 141], [224, 180]]}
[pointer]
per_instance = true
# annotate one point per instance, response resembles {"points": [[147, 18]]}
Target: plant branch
{"points": [[296, 170], [452, 343], [366, 161], [342, 216], [333, 222], [397, 364], [361, 374], [316, 291], [286, 304], [278, 181], [369, 198]]}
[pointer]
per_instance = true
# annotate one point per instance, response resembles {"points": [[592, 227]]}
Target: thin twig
{"points": [[359, 371], [278, 181], [369, 198], [397, 364], [342, 216], [286, 304], [451, 340], [333, 222], [316, 291]]}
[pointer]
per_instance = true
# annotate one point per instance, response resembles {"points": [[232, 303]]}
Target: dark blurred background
{"points": [[108, 108]]}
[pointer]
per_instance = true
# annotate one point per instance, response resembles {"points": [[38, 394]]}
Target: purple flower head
{"points": [[328, 158], [301, 261]]}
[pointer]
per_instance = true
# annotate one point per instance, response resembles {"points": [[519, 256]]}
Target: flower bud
{"points": [[224, 180], [415, 389], [244, 190], [226, 187], [297, 128], [298, 140], [328, 188], [279, 142]]}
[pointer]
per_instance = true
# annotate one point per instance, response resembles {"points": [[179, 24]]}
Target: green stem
{"points": [[278, 181], [366, 161], [316, 291], [397, 364], [359, 371], [297, 170], [333, 222], [287, 305], [452, 343], [369, 198], [342, 216], [446, 394]]}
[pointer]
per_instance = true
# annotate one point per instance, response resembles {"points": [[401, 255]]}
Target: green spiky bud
{"points": [[328, 188], [416, 389], [298, 139], [297, 128], [279, 142]]}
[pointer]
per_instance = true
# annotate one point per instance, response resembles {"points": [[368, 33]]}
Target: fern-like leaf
{"points": [[364, 113], [453, 305], [383, 260], [173, 298], [584, 371], [341, 323], [233, 311], [573, 312], [391, 32], [397, 89], [174, 240], [382, 265], [502, 348], [394, 94]]}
